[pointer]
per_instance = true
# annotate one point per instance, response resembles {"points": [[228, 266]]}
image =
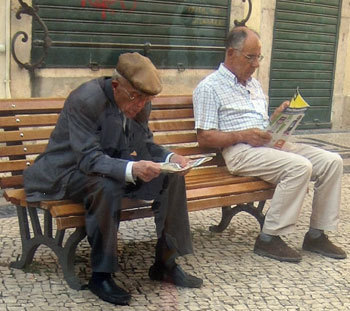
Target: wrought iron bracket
{"points": [[243, 21], [32, 11]]}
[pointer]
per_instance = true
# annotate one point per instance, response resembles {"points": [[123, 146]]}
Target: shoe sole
{"points": [[325, 254], [282, 259], [122, 302], [155, 275]]}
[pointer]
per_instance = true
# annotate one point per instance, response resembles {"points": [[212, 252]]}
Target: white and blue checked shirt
{"points": [[222, 103]]}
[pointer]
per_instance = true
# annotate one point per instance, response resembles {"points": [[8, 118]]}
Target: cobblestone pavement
{"points": [[234, 277]]}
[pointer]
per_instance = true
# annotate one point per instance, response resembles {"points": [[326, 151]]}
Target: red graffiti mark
{"points": [[105, 5], [100, 4]]}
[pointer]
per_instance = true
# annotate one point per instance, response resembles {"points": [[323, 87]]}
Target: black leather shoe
{"points": [[176, 276], [107, 290]]}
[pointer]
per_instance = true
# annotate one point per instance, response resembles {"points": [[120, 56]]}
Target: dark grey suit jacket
{"points": [[89, 137]]}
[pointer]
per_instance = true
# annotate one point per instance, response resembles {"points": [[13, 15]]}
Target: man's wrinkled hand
{"points": [[279, 109], [146, 170], [256, 137], [181, 160]]}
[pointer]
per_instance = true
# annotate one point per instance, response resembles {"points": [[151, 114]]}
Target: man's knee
{"points": [[336, 161], [303, 167], [104, 191]]}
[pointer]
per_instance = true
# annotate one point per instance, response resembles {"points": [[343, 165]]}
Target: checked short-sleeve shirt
{"points": [[222, 103]]}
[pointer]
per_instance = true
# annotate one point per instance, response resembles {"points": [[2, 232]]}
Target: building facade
{"points": [[305, 43]]}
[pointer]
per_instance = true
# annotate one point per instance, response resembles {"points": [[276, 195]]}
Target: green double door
{"points": [[303, 55]]}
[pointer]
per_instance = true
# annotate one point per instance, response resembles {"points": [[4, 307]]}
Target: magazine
{"points": [[287, 121], [170, 167]]}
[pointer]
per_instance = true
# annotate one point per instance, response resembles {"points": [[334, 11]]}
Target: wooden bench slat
{"points": [[172, 101], [171, 114], [16, 196], [74, 209], [164, 139], [14, 165], [198, 179], [213, 182], [208, 170], [213, 173], [29, 120], [79, 221], [25, 135], [229, 200], [172, 125], [208, 192], [64, 208], [193, 150], [30, 105], [8, 151], [11, 181], [136, 214], [70, 222]]}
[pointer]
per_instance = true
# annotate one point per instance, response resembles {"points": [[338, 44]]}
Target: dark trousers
{"points": [[102, 197]]}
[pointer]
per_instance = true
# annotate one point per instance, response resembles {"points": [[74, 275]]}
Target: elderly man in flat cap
{"points": [[102, 150]]}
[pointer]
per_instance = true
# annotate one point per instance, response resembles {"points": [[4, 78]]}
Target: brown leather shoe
{"points": [[276, 249], [322, 245]]}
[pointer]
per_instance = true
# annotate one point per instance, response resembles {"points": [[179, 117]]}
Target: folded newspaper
{"points": [[287, 121], [171, 167]]}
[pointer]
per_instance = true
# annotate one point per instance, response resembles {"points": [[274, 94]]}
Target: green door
{"points": [[303, 55]]}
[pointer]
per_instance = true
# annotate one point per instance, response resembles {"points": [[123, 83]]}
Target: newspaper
{"points": [[287, 121], [171, 167]]}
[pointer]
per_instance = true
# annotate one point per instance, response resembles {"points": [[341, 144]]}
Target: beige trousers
{"points": [[290, 170]]}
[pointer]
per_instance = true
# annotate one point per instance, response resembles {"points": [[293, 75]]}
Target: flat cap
{"points": [[140, 72]]}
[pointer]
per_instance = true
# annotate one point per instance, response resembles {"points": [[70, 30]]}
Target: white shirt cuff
{"points": [[128, 172], [167, 160]]}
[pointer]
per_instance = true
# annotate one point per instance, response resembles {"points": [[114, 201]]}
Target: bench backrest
{"points": [[26, 125]]}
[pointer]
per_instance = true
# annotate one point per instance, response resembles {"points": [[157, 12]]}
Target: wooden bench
{"points": [[25, 126]]}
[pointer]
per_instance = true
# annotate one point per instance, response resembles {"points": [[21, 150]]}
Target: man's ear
{"points": [[115, 83], [230, 51]]}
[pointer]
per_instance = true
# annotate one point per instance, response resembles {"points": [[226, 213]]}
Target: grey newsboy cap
{"points": [[140, 72]]}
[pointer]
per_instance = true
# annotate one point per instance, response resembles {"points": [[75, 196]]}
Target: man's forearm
{"points": [[217, 139]]}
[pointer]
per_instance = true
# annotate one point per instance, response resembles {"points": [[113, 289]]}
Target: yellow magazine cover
{"points": [[298, 101]]}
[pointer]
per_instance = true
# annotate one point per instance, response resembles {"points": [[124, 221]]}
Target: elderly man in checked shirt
{"points": [[231, 113]]}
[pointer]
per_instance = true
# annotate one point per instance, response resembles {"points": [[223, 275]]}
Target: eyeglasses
{"points": [[252, 58], [142, 97], [131, 98]]}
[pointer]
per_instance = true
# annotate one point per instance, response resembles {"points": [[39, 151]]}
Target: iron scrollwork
{"points": [[243, 21], [26, 9]]}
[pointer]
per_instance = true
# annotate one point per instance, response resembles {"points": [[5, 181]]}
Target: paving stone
{"points": [[234, 277]]}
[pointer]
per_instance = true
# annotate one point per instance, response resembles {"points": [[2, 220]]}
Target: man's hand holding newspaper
{"points": [[286, 119]]}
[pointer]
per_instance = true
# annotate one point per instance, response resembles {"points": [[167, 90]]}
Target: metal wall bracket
{"points": [[243, 21], [32, 11]]}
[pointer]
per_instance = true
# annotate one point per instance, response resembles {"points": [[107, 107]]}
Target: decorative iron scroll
{"points": [[26, 9], [243, 21]]}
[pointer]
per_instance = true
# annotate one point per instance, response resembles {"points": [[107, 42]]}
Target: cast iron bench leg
{"points": [[66, 257], [65, 254], [228, 212], [29, 246]]}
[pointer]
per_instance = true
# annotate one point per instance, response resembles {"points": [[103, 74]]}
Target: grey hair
{"points": [[236, 37], [116, 75]]}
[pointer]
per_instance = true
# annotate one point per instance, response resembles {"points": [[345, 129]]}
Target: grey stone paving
{"points": [[234, 277]]}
